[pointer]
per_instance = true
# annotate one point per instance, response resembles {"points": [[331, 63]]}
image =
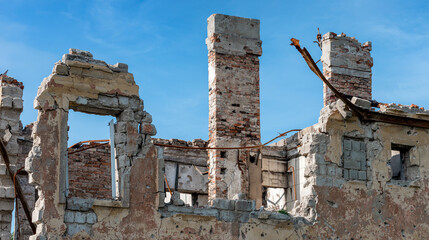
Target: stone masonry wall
{"points": [[89, 173], [234, 116], [347, 66], [84, 84]]}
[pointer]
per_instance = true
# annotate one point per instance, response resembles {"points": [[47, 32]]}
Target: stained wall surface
{"points": [[344, 171]]}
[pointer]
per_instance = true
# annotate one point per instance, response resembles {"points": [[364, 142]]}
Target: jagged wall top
{"points": [[78, 74]]}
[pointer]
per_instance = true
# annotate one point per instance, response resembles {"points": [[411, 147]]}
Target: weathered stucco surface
{"points": [[343, 185]]}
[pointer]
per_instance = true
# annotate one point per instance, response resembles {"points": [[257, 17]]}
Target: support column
{"points": [[234, 120], [347, 66]]}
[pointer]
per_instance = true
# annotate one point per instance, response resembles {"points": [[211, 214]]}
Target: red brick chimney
{"points": [[234, 49]]}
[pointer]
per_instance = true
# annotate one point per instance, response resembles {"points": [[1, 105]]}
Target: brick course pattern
{"points": [[90, 174], [347, 66], [234, 119]]}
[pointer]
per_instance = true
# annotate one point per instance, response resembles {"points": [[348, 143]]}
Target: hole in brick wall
{"points": [[223, 154], [89, 156], [252, 159], [222, 170], [185, 197], [235, 105], [401, 167]]}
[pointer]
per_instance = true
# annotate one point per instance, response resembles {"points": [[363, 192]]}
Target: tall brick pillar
{"points": [[10, 128], [347, 66], [234, 120]]}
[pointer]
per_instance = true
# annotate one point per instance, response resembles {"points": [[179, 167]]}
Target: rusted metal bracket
{"points": [[363, 114], [18, 188]]}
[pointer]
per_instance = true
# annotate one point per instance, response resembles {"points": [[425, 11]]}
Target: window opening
{"points": [[90, 172], [401, 167]]}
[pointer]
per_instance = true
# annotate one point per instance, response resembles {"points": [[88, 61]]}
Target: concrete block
{"points": [[79, 204], [79, 217], [6, 102], [339, 173], [245, 205], [236, 35], [74, 228], [363, 165], [227, 216], [206, 211], [69, 217], [108, 101], [355, 145], [6, 217], [347, 154], [225, 204], [134, 103], [126, 115], [338, 182], [17, 103], [179, 209], [123, 101], [362, 146], [75, 51], [243, 216], [351, 164], [361, 102], [362, 175], [332, 171], [6, 205], [9, 192], [11, 90], [358, 156], [324, 181], [353, 174], [91, 218], [61, 69]]}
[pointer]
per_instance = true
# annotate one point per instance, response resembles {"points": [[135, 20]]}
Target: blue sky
{"points": [[163, 44]]}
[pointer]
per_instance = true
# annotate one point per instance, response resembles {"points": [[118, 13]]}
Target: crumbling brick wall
{"points": [[347, 66], [89, 173], [331, 206], [234, 116]]}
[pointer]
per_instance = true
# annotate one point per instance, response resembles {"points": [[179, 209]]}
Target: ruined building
{"points": [[360, 172]]}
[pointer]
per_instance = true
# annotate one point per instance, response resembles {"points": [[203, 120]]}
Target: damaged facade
{"points": [[351, 175]]}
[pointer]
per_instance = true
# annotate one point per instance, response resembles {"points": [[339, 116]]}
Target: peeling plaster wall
{"points": [[330, 205], [375, 207]]}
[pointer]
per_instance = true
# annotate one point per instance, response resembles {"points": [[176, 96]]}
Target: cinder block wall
{"points": [[347, 66], [10, 128]]}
